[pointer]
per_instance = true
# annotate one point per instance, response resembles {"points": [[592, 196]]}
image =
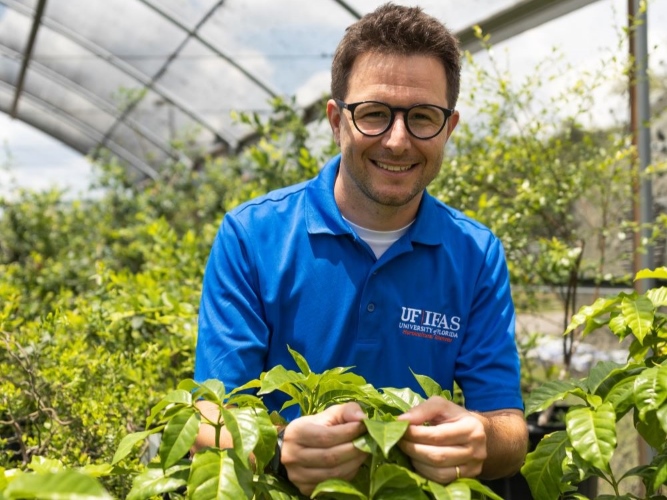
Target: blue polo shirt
{"points": [[286, 269]]}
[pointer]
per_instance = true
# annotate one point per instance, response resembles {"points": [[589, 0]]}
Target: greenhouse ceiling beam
{"points": [[193, 34], [348, 8], [36, 23], [82, 127], [121, 65], [97, 102], [517, 19], [161, 71], [158, 74]]}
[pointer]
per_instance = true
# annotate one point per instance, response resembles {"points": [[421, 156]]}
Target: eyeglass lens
{"points": [[374, 118]]}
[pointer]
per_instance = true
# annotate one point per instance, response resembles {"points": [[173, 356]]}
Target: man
{"points": [[362, 267]]}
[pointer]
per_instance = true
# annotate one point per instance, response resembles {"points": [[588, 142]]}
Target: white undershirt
{"points": [[379, 241]]}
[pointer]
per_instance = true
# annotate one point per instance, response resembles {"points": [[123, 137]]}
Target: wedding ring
{"points": [[458, 472]]}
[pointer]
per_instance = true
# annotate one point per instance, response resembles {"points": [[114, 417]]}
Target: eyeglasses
{"points": [[373, 118]]}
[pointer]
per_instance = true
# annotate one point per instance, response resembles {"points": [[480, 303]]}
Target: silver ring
{"points": [[458, 472]]}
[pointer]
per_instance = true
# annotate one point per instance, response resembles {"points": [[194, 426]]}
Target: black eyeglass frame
{"points": [[392, 110]]}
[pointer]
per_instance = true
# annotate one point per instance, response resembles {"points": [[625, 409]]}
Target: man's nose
{"points": [[397, 138]]}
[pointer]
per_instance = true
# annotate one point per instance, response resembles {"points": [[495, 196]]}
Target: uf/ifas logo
{"points": [[430, 319]]}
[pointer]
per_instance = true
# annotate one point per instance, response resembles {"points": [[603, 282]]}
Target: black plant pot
{"points": [[516, 487]]}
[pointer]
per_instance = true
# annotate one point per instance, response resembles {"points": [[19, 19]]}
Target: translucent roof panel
{"points": [[135, 75]]}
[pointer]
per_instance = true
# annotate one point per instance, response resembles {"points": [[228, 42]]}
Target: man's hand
{"points": [[454, 438], [458, 443], [319, 447]]}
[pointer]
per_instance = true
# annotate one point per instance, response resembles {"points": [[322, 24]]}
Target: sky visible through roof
{"points": [[584, 37]]}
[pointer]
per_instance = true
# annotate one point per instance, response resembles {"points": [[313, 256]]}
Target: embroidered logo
{"points": [[429, 324]]}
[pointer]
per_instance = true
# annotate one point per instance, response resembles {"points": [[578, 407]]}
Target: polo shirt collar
{"points": [[323, 216]]}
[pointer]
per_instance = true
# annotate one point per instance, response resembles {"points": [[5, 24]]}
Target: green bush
{"points": [[98, 297]]}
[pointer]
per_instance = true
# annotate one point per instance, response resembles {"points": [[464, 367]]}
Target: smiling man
{"points": [[362, 267]]}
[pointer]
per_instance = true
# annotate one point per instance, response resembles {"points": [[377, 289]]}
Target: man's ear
{"points": [[334, 115], [452, 122]]}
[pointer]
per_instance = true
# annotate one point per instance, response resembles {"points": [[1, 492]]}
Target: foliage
{"points": [[231, 473], [609, 392], [557, 194], [98, 302]]}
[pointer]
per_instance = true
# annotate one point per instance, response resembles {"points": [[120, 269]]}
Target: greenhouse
{"points": [[132, 128]]}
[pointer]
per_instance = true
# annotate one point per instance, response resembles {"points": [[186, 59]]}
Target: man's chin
{"points": [[393, 199]]}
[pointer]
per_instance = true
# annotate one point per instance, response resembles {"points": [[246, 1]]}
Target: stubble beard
{"points": [[364, 185]]}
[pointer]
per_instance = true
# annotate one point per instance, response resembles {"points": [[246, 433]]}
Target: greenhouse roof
{"points": [[133, 76]]}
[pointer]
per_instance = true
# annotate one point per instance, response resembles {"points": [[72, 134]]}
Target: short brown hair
{"points": [[395, 29]]}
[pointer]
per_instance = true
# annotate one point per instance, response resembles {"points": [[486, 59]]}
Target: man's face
{"points": [[390, 170]]}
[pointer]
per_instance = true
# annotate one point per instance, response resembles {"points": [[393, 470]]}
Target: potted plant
{"points": [[596, 403]]}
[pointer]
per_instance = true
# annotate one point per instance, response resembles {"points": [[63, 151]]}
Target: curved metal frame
{"points": [[505, 24], [85, 94], [119, 64], [115, 148]]}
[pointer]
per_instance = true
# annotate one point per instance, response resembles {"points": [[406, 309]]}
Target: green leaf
{"points": [[601, 373], [658, 273], [128, 442], [659, 476], [97, 470], [638, 314], [619, 326], [252, 384], [266, 444], [337, 390], [44, 465], [402, 399], [268, 487], [211, 390], [475, 485], [153, 482], [245, 401], [188, 385], [300, 361], [662, 417], [592, 433], [386, 434], [407, 493], [344, 377], [242, 426], [63, 485], [638, 352], [658, 296], [589, 315], [277, 378], [339, 488], [461, 489], [217, 475], [650, 428], [177, 397], [458, 490], [548, 394], [366, 444], [394, 476], [178, 437], [650, 389], [428, 385], [621, 396], [543, 470]]}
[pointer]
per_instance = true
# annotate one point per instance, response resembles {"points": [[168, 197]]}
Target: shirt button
{"points": [[370, 307]]}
